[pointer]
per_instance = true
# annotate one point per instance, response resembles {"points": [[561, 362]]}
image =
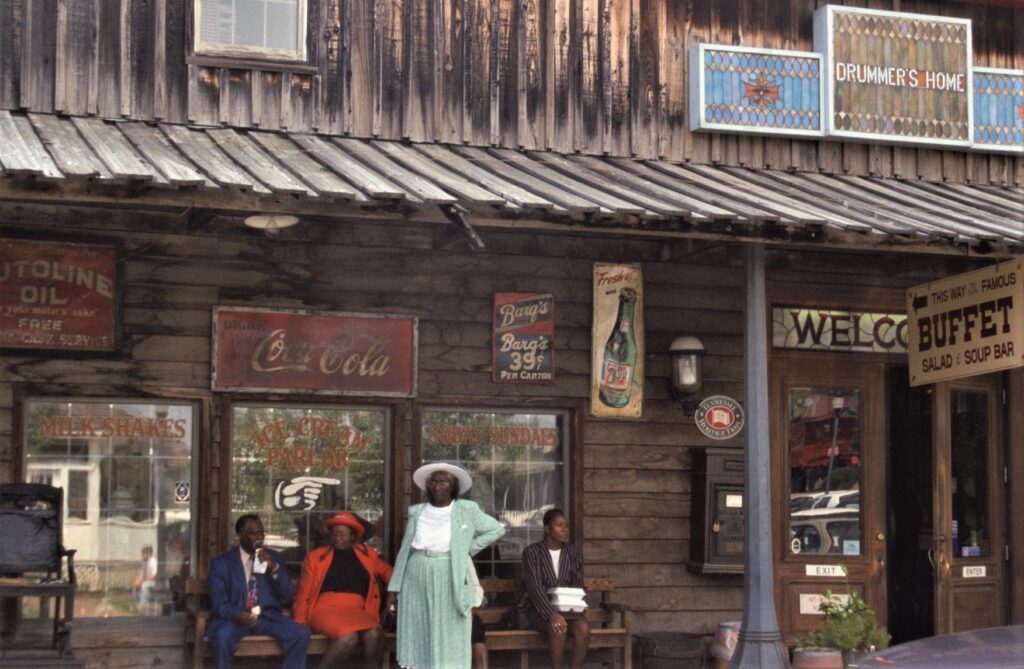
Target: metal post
{"points": [[760, 642]]}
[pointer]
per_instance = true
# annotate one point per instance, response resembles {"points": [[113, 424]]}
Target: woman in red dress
{"points": [[339, 595]]}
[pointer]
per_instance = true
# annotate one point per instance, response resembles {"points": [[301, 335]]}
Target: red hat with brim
{"points": [[346, 518]]}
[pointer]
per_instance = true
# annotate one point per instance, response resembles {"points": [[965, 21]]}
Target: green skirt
{"points": [[432, 633]]}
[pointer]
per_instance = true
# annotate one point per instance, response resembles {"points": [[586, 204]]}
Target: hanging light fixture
{"points": [[271, 223]]}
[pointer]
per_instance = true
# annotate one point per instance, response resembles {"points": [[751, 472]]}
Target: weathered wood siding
{"points": [[636, 507], [597, 76]]}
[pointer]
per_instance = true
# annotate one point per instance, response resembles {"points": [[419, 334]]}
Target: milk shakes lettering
{"points": [[619, 360]]}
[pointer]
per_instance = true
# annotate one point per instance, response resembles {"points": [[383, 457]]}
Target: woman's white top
{"points": [[556, 556], [434, 529]]}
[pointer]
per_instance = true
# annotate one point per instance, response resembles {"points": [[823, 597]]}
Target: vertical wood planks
{"points": [[617, 26], [507, 72], [420, 69], [388, 61], [301, 96], [559, 75], [238, 88], [140, 52], [453, 33], [330, 94], [674, 71], [697, 144], [531, 77], [588, 117], [725, 29], [203, 94], [477, 92], [75, 57], [38, 47], [646, 37], [174, 71], [358, 30], [10, 54]]}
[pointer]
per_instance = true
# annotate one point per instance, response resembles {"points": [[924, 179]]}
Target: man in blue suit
{"points": [[246, 597]]}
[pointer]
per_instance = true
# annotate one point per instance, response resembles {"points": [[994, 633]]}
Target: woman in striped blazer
{"points": [[549, 563]]}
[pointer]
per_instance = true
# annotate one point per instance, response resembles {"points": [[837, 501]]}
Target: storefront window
{"points": [[824, 471], [296, 465], [517, 461], [126, 471], [969, 441]]}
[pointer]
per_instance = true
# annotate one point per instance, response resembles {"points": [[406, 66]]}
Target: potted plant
{"points": [[850, 627]]}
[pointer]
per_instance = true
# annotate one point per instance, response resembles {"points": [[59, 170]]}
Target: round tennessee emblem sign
{"points": [[719, 417]]}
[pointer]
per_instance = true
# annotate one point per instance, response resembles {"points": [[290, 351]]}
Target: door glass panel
{"points": [[824, 471], [969, 439]]}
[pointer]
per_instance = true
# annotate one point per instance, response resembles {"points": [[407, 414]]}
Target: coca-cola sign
{"points": [[324, 352]]}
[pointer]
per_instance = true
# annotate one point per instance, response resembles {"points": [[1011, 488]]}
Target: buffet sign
{"points": [[325, 352], [523, 343], [968, 324], [59, 296]]}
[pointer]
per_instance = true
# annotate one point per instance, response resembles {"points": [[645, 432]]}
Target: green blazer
{"points": [[472, 531]]}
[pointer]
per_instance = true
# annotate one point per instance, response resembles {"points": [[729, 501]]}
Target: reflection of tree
{"points": [[824, 439]]}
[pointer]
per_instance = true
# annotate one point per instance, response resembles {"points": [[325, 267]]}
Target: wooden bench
{"points": [[611, 627]]}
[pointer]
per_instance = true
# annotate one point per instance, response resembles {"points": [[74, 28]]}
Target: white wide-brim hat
{"points": [[420, 476]]}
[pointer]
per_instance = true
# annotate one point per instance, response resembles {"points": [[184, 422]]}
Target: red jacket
{"points": [[314, 570]]}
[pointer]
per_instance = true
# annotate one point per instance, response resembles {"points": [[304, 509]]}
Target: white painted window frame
{"points": [[301, 54]]}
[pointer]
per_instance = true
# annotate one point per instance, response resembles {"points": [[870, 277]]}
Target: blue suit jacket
{"points": [[227, 589]]}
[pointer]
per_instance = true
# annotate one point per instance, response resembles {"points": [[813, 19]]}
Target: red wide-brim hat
{"points": [[346, 518]]}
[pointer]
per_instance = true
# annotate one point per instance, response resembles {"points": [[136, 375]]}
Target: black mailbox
{"points": [[717, 537]]}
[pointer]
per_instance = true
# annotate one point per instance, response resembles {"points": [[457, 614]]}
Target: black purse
{"points": [[388, 620], [517, 617]]}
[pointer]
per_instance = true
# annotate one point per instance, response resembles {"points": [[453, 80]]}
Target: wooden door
{"points": [[969, 551], [828, 462]]}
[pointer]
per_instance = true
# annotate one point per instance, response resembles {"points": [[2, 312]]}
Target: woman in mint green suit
{"points": [[429, 587]]}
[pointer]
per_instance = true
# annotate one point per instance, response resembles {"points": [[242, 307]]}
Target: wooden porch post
{"points": [[760, 642]]}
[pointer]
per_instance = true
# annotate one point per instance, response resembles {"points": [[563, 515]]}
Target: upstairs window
{"points": [[273, 29]]}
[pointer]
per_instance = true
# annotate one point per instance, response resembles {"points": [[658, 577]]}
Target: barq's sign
{"points": [[325, 352], [969, 324], [834, 330]]}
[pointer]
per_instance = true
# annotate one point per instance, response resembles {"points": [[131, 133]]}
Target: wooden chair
{"points": [[32, 556]]}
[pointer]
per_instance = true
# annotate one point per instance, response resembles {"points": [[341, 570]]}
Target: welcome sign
{"points": [[895, 77]]}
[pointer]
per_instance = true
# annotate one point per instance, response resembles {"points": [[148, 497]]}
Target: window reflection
{"points": [[824, 470], [126, 471], [969, 442], [296, 465], [517, 461]]}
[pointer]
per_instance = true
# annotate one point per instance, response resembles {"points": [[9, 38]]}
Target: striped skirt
{"points": [[432, 634]]}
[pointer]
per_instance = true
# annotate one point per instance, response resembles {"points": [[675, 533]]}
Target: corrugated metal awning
{"points": [[502, 183]]}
